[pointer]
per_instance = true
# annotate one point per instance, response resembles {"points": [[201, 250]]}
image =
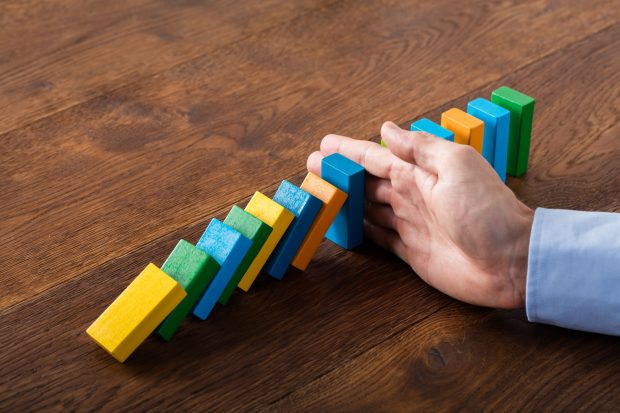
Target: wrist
{"points": [[519, 257]]}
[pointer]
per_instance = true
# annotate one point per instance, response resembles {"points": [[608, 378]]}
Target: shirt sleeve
{"points": [[573, 275]]}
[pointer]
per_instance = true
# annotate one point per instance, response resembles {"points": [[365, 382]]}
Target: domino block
{"points": [[333, 199], [496, 131], [521, 108], [428, 126], [347, 229], [278, 218], [193, 270], [228, 247], [305, 208], [128, 321], [467, 129], [254, 229]]}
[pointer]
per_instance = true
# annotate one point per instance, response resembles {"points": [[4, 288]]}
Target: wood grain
{"points": [[133, 164], [85, 49], [469, 359], [96, 185]]}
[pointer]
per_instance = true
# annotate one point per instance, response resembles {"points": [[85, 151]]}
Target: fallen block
{"points": [[305, 207], [136, 312]]}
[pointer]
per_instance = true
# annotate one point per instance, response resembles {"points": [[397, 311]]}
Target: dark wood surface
{"points": [[128, 125]]}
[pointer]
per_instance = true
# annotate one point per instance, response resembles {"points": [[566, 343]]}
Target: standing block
{"points": [[228, 247], [521, 109], [128, 321], [333, 199], [428, 126], [305, 207], [347, 230], [193, 270], [467, 129], [496, 127], [278, 218], [254, 229]]}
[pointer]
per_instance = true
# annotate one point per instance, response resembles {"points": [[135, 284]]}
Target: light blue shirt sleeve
{"points": [[573, 275]]}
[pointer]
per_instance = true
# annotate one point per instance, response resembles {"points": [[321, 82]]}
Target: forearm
{"points": [[573, 273]]}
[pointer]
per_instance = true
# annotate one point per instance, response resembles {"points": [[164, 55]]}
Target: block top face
{"points": [[457, 115], [320, 188], [267, 210], [427, 125], [294, 198], [343, 164], [486, 106], [246, 223], [183, 261], [218, 239], [514, 96]]}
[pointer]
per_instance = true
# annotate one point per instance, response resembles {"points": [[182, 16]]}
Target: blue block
{"points": [[305, 207], [228, 247], [496, 129], [347, 230], [428, 126]]}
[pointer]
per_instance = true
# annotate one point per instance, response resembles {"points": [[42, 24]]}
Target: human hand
{"points": [[441, 208]]}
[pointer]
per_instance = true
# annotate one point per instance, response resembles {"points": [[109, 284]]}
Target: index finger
{"points": [[376, 159]]}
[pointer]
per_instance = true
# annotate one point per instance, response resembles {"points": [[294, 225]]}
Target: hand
{"points": [[441, 208]]}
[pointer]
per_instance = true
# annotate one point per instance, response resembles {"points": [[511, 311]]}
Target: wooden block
{"points": [[228, 247], [347, 229], [496, 131], [428, 126], [128, 321], [467, 129], [333, 199], [278, 218], [254, 229], [193, 269], [305, 208], [521, 108]]}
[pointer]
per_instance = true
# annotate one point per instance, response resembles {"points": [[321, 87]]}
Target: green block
{"points": [[383, 143], [194, 270], [253, 228], [521, 108]]}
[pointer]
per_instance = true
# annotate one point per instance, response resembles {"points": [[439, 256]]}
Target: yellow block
{"points": [[278, 218], [333, 199], [467, 129], [144, 304]]}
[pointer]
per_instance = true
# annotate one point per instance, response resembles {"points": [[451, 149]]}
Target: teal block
{"points": [[347, 229], [228, 247], [428, 126], [496, 132], [305, 207]]}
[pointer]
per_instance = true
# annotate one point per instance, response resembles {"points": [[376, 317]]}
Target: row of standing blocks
{"points": [[269, 235], [499, 129]]}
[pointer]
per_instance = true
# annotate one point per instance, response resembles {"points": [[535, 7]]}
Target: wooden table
{"points": [[126, 126]]}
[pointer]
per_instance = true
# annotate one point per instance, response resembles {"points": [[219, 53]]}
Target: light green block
{"points": [[253, 228], [521, 108], [193, 269]]}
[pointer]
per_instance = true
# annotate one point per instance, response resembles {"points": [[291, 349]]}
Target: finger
{"points": [[381, 215], [378, 190], [314, 163], [423, 149], [376, 159], [386, 239]]}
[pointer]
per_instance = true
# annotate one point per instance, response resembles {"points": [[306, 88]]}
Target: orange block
{"points": [[333, 199], [468, 130]]}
